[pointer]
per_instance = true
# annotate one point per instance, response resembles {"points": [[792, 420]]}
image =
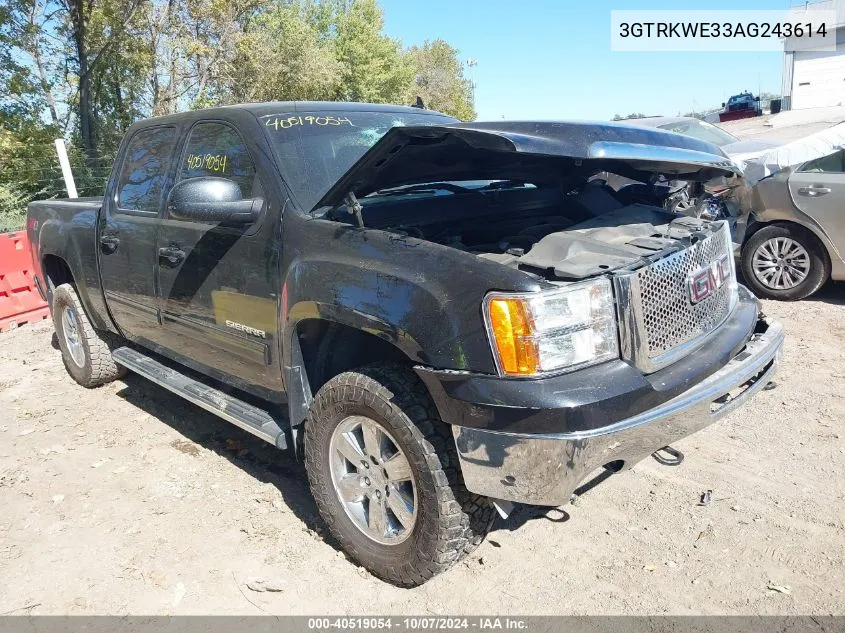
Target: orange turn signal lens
{"points": [[512, 329]]}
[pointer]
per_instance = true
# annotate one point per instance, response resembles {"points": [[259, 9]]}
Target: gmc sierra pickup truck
{"points": [[441, 318]]}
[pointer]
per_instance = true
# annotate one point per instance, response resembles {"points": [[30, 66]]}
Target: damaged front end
{"points": [[536, 196], [635, 333]]}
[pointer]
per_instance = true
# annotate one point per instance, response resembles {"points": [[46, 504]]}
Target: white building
{"points": [[815, 79]]}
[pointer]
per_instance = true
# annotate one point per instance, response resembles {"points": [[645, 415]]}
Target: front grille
{"points": [[661, 315]]}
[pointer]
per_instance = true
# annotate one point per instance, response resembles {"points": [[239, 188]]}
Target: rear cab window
{"points": [[145, 168]]}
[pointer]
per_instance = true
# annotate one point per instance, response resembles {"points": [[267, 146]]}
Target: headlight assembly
{"points": [[552, 331]]}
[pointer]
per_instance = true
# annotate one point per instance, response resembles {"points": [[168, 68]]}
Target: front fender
{"points": [[349, 316], [297, 385], [423, 298]]}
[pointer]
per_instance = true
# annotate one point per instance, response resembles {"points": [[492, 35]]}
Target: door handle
{"points": [[171, 255], [814, 191], [110, 243]]}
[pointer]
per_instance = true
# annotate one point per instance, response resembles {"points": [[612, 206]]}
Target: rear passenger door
{"points": [[127, 232], [219, 284]]}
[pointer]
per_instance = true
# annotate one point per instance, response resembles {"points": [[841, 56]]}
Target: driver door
{"points": [[218, 285]]}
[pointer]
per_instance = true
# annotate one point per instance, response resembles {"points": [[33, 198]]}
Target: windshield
{"points": [[738, 98], [315, 149], [701, 130]]}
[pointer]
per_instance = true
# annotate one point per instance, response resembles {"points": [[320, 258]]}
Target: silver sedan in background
{"points": [[795, 238]]}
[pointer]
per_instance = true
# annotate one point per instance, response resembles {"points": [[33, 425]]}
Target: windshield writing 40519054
{"points": [[284, 123]]}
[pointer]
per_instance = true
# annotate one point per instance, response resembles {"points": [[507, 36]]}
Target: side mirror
{"points": [[212, 200], [723, 104], [756, 98]]}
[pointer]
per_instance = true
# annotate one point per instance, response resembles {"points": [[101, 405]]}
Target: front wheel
{"points": [[785, 262], [384, 472]]}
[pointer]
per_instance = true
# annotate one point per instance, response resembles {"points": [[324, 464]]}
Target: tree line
{"points": [[85, 70]]}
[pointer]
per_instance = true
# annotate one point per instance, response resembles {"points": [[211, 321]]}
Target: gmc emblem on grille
{"points": [[704, 282]]}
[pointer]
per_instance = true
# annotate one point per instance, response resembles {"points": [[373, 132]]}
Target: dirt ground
{"points": [[786, 126], [126, 500]]}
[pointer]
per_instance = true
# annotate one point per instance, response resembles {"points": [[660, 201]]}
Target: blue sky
{"points": [[551, 59]]}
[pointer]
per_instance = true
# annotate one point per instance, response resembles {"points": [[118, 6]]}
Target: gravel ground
{"points": [[125, 499]]}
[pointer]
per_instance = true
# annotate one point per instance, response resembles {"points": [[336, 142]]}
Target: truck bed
{"points": [[67, 230], [63, 206]]}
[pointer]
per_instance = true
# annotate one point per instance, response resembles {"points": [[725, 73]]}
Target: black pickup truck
{"points": [[442, 318]]}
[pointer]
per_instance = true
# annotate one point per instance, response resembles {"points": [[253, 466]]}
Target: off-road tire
{"points": [[98, 367], [819, 262], [451, 521]]}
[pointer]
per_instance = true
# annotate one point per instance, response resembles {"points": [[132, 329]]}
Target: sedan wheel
{"points": [[784, 261], [781, 263]]}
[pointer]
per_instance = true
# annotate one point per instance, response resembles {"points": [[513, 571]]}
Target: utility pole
{"points": [[472, 62]]}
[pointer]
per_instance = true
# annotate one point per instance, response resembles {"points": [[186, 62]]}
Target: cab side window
{"points": [[215, 149], [831, 164], [145, 167]]}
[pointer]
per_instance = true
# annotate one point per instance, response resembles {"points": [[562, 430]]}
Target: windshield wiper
{"points": [[502, 184], [429, 187]]}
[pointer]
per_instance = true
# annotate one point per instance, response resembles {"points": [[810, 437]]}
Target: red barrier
{"points": [[19, 299]]}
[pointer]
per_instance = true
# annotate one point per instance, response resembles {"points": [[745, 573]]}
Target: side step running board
{"points": [[248, 417]]}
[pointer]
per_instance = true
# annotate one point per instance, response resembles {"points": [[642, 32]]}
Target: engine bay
{"points": [[589, 231]]}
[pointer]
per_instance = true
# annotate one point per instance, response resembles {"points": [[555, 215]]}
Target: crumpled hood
{"points": [[792, 154], [530, 151], [742, 152]]}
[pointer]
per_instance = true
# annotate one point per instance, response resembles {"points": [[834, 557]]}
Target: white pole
{"points": [[61, 150]]}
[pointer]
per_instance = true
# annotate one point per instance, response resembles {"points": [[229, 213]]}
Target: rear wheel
{"points": [[785, 262], [85, 351], [384, 472]]}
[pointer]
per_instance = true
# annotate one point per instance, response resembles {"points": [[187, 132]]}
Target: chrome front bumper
{"points": [[545, 469]]}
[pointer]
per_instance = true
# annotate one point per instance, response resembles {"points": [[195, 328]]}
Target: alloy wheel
{"points": [[73, 341], [373, 480], [781, 263]]}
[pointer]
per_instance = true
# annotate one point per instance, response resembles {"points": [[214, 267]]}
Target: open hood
{"points": [[526, 151]]}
